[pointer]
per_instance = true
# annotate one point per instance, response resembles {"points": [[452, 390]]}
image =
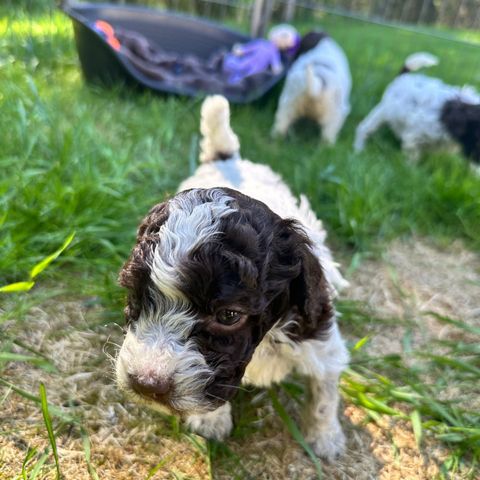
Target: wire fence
{"points": [[458, 14], [449, 13], [363, 25]]}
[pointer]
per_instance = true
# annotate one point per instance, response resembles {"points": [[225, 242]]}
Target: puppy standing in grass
{"points": [[317, 86], [230, 281], [425, 112]]}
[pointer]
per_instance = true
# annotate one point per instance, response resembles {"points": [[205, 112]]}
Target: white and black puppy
{"points": [[425, 112], [230, 281], [317, 86]]}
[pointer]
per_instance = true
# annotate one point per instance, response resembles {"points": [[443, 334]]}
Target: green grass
{"points": [[91, 161], [48, 424], [412, 385]]}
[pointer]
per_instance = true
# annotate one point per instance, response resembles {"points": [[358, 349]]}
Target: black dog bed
{"points": [[178, 35]]}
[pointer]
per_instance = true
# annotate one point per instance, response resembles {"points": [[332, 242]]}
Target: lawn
{"points": [[90, 162]]}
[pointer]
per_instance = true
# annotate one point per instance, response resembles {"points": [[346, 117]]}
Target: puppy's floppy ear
{"points": [[310, 298], [153, 221], [309, 41], [135, 273]]}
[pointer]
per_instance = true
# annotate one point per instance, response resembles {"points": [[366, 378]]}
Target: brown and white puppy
{"points": [[230, 281], [425, 113]]}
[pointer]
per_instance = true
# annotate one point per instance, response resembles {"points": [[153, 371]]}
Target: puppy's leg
{"points": [[331, 129], [323, 363], [321, 426], [215, 425], [286, 113], [332, 116], [412, 147], [367, 126]]}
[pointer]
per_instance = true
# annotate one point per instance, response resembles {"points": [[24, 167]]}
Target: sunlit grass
{"points": [[93, 161], [40, 27]]}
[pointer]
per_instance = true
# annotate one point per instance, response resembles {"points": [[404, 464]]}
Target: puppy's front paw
{"points": [[215, 425], [328, 444]]}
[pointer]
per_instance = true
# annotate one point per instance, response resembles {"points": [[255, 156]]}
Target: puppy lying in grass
{"points": [[230, 281]]}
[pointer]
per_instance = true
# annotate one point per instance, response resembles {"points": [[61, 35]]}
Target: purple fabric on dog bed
{"points": [[254, 57], [186, 70]]}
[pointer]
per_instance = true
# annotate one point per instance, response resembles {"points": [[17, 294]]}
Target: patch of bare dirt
{"points": [[127, 442], [272, 454], [384, 451], [412, 278]]}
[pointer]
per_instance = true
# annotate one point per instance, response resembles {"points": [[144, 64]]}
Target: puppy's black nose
{"points": [[157, 388]]}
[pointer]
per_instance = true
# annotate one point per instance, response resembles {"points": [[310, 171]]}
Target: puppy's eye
{"points": [[229, 317]]}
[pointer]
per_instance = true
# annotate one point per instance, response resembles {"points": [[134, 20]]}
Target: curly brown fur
{"points": [[262, 265], [135, 274], [462, 121]]}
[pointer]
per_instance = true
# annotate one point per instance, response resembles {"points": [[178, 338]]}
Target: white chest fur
{"points": [[277, 356]]}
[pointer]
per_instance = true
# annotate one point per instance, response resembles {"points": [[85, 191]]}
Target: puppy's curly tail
{"points": [[219, 142], [418, 60]]}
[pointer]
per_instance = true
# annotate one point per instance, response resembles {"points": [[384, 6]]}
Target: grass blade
{"points": [[41, 266], [456, 323], [48, 424], [17, 287], [361, 343], [38, 465], [295, 432], [377, 405], [453, 363], [17, 357], [38, 268], [31, 452], [88, 457], [157, 467], [417, 426], [52, 408]]}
